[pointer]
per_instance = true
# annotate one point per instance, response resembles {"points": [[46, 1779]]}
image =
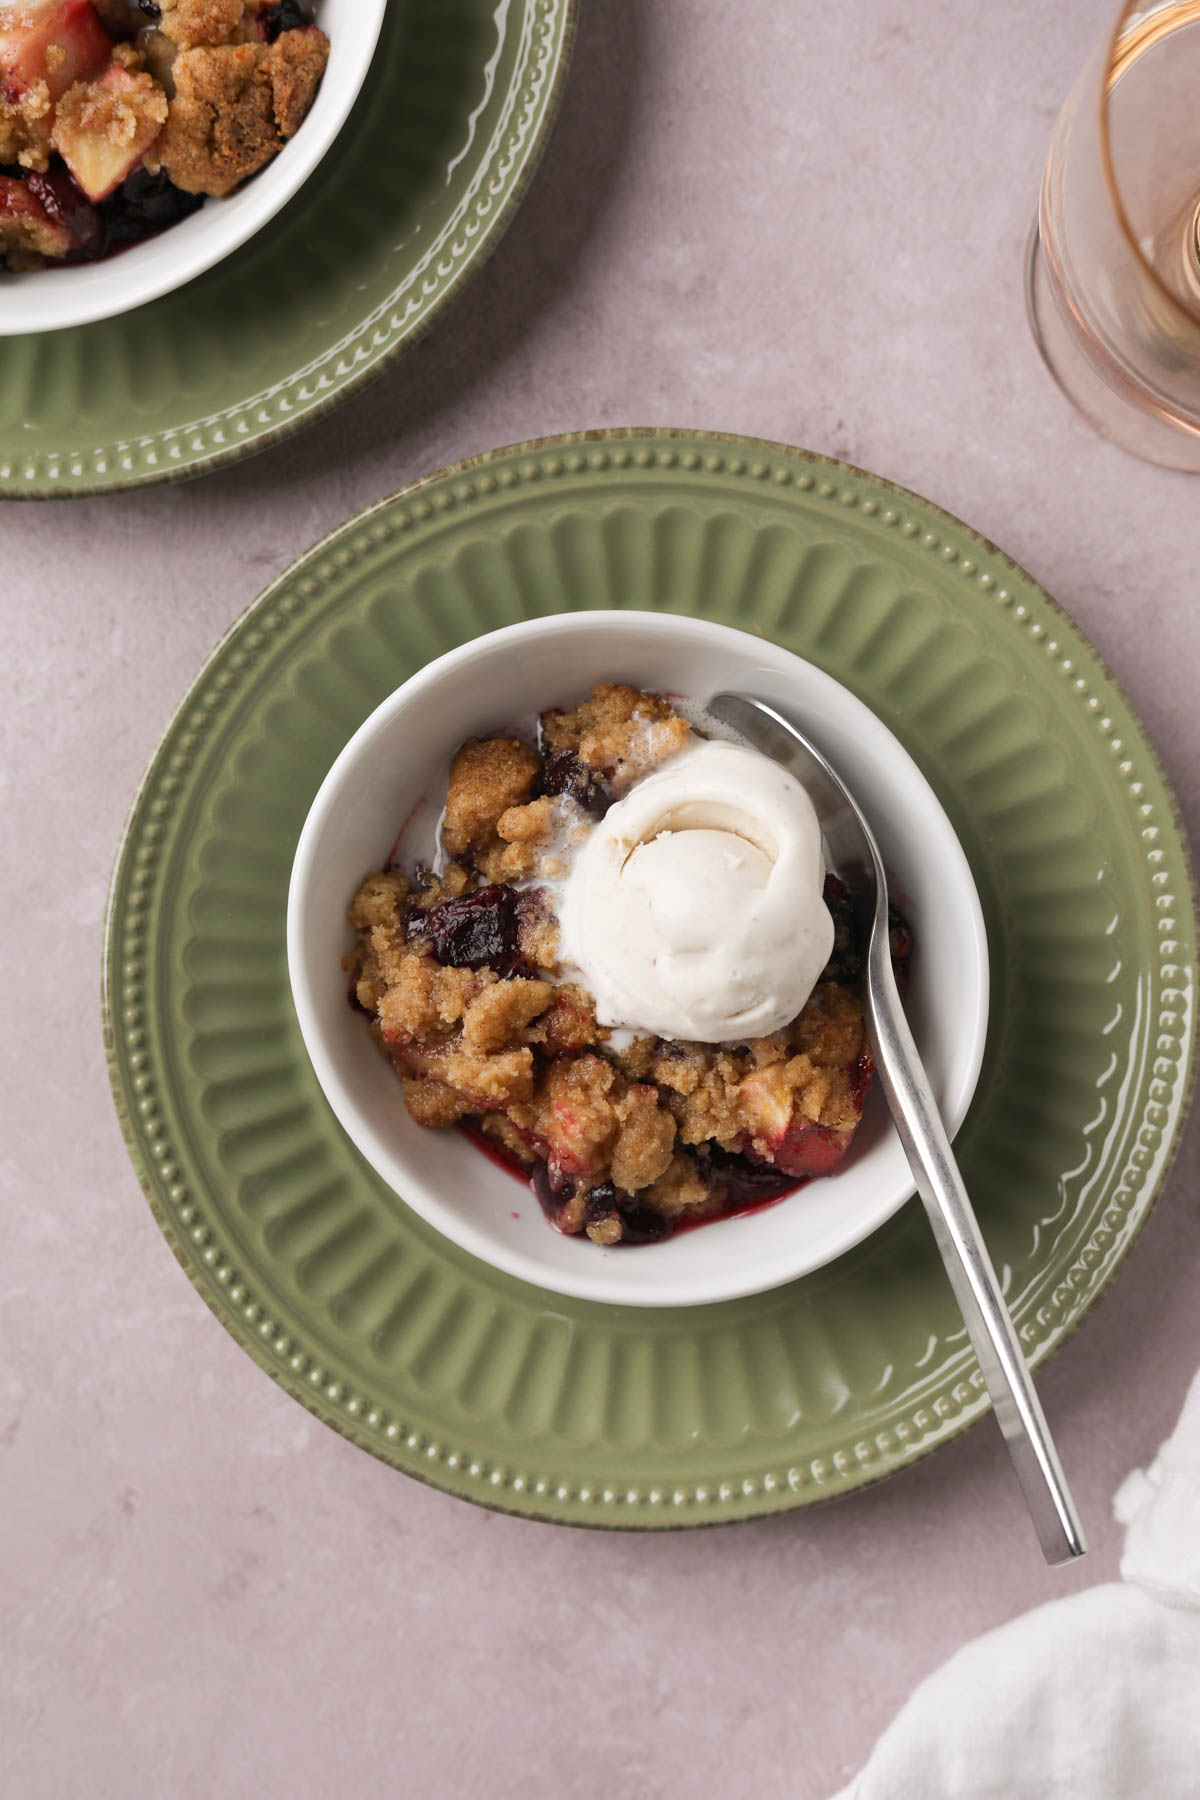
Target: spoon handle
{"points": [[968, 1264]]}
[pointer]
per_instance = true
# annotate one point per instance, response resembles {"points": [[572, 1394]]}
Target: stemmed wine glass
{"points": [[1113, 271]]}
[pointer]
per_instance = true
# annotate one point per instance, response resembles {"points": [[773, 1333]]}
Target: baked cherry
{"points": [[743, 1180], [143, 205], [640, 1224], [564, 773], [850, 937], [286, 15], [900, 942], [65, 202], [553, 1188], [845, 959], [474, 931]]}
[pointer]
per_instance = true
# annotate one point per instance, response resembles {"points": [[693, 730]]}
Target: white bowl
{"points": [[50, 299], [400, 754]]}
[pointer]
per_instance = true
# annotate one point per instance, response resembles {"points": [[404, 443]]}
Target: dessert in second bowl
{"points": [[118, 118], [623, 968]]}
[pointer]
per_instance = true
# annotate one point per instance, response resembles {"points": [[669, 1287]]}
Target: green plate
{"points": [[411, 200], [618, 1416]]}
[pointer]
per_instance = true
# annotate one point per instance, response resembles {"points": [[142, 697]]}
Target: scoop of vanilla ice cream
{"points": [[695, 909]]}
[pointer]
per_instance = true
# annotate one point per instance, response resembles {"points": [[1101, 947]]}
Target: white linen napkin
{"points": [[1094, 1697]]}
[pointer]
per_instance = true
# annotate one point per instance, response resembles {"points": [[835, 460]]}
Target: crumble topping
{"points": [[234, 107], [487, 777], [459, 975]]}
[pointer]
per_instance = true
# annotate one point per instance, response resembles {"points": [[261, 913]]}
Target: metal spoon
{"points": [[854, 852]]}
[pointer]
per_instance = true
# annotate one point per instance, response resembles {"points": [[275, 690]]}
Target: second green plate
{"points": [[410, 201], [598, 1415]]}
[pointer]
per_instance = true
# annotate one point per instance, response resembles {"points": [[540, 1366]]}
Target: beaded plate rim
{"points": [[366, 1422], [460, 251]]}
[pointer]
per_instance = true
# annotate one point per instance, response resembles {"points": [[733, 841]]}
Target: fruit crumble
{"points": [[119, 118], [474, 990]]}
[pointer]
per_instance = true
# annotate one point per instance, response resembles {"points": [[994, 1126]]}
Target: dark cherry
{"points": [[474, 931], [67, 204], [850, 939], [287, 15], [744, 1180], [845, 961], [143, 205], [563, 773], [900, 942], [150, 10], [551, 1189], [640, 1224], [861, 1076]]}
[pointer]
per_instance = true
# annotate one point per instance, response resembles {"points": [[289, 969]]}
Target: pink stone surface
{"points": [[798, 222]]}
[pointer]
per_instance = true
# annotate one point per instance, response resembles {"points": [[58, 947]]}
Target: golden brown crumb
{"points": [[294, 66], [27, 236], [527, 824], [682, 1191], [379, 901], [574, 1111], [573, 1215], [495, 1017], [607, 1230], [645, 1139], [492, 1082], [25, 125], [518, 851], [424, 1000], [221, 126], [619, 731], [830, 1029], [539, 932], [195, 24], [822, 1095], [701, 1085], [487, 777], [432, 1102], [568, 1023], [452, 881], [235, 105], [507, 862], [497, 1126], [637, 1061]]}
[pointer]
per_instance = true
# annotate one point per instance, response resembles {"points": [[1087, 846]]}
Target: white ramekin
{"points": [[400, 754]]}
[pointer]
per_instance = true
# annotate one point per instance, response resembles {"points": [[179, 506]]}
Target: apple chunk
{"points": [[102, 129], [58, 42]]}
